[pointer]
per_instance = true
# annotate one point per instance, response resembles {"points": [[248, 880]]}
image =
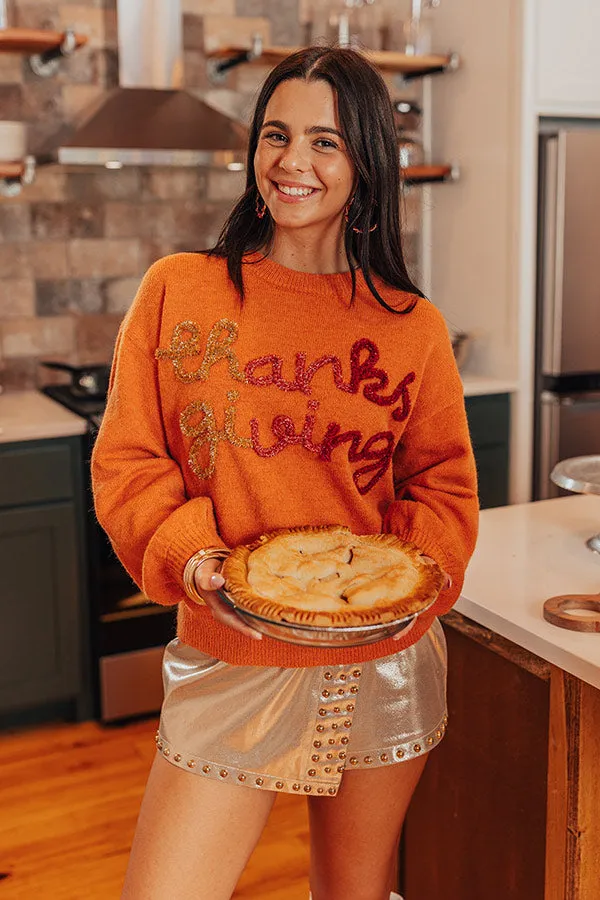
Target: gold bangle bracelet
{"points": [[193, 563]]}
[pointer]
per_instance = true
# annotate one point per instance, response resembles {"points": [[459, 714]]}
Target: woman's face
{"points": [[302, 167]]}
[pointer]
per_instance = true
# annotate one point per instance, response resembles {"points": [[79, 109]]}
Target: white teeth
{"points": [[295, 191]]}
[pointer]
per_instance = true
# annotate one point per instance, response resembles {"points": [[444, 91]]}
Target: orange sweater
{"points": [[226, 420]]}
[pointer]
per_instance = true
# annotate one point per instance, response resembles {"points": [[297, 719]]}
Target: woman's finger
{"points": [[208, 579], [206, 572], [404, 631], [448, 582], [222, 613]]}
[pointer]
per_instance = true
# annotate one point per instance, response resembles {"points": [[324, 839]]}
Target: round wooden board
{"points": [[557, 611]]}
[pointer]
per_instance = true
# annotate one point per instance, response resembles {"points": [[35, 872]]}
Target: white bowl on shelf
{"points": [[461, 345], [13, 141]]}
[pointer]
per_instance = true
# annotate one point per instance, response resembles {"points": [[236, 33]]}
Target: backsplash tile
{"points": [[11, 69], [93, 334], [14, 262], [17, 298], [56, 298], [98, 258], [48, 259], [11, 101], [118, 294], [49, 220], [15, 223], [41, 336]]}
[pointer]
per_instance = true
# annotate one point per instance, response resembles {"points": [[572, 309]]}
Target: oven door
{"points": [[131, 683], [128, 632]]}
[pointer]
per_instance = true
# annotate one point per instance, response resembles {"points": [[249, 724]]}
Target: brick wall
{"points": [[74, 245]]}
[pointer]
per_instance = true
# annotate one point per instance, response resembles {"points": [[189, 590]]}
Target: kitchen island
{"points": [[509, 805]]}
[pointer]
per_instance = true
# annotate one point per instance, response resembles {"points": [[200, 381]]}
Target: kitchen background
{"points": [[74, 244]]}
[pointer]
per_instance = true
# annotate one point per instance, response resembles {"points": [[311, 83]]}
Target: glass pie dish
{"points": [[321, 636]]}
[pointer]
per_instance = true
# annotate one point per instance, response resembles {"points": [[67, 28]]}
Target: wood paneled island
{"points": [[509, 805]]}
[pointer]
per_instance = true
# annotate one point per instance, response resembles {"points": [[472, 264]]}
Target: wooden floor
{"points": [[69, 798]]}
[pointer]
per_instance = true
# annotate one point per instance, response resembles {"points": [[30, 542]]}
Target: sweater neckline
{"points": [[300, 282]]}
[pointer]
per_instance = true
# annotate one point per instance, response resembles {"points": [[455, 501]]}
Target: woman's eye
{"points": [[276, 136], [326, 144]]}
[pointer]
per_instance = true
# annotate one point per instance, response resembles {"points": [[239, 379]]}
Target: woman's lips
{"points": [[293, 198]]}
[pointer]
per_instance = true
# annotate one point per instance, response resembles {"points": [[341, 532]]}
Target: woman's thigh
{"points": [[354, 835], [194, 836]]}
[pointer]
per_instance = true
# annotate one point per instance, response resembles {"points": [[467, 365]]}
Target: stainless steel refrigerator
{"points": [[567, 413]]}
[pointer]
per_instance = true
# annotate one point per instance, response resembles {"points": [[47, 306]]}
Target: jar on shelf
{"points": [[394, 15], [347, 23], [418, 29], [314, 22], [13, 141], [407, 25]]}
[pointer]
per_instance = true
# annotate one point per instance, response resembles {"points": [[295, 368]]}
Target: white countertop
{"points": [[29, 416], [476, 385], [526, 553]]}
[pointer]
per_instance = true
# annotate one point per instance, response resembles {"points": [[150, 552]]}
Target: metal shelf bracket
{"points": [[12, 187], [47, 64], [454, 174], [451, 65], [217, 69]]}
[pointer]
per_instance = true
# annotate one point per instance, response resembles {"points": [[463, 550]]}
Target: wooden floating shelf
{"points": [[385, 60], [12, 169], [34, 40], [425, 174]]}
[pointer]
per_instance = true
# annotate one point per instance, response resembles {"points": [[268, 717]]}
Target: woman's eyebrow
{"points": [[314, 129], [318, 129], [275, 123]]}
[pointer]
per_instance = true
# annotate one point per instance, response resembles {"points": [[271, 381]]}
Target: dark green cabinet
{"points": [[42, 589], [489, 424]]}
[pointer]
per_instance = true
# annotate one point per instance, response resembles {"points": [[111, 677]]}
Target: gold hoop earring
{"points": [[347, 209], [347, 218], [361, 230], [261, 207]]}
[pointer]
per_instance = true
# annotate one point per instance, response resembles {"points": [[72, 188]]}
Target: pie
{"points": [[326, 576]]}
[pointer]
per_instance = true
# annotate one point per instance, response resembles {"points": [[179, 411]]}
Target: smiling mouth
{"points": [[290, 191]]}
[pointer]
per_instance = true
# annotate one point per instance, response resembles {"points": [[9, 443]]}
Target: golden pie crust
{"points": [[326, 576]]}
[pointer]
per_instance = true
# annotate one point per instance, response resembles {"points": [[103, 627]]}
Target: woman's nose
{"points": [[293, 159]]}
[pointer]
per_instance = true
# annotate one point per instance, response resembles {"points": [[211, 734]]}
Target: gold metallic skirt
{"points": [[298, 730]]}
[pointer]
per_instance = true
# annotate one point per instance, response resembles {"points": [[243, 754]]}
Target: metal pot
{"points": [[86, 381], [410, 151], [407, 115], [461, 345]]}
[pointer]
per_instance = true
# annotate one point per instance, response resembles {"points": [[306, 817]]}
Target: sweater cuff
{"points": [[188, 529]]}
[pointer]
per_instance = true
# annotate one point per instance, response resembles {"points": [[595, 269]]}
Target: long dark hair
{"points": [[367, 125]]}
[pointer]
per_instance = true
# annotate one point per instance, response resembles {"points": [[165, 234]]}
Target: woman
{"points": [[293, 375]]}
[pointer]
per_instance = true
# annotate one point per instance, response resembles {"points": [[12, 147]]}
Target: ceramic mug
{"points": [[13, 141]]}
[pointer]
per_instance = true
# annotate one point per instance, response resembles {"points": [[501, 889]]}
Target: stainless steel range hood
{"points": [[149, 119]]}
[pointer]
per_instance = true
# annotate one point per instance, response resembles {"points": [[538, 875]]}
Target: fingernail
{"points": [[257, 636], [216, 580]]}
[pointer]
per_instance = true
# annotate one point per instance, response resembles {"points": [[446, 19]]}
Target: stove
{"points": [[80, 405], [128, 632]]}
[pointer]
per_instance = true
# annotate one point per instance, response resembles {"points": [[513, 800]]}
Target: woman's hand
{"points": [[448, 582], [404, 631], [208, 579], [445, 586]]}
